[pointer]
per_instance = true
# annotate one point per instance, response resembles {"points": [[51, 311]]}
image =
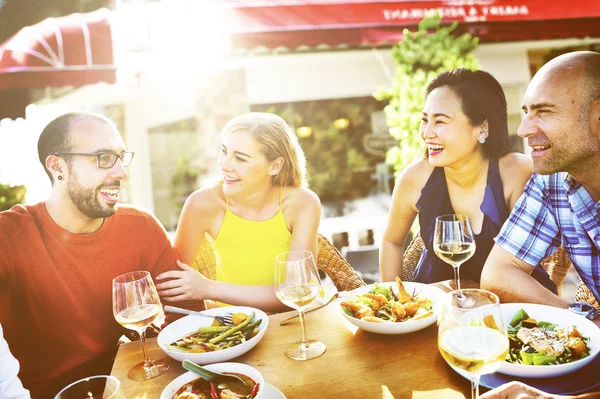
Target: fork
{"points": [[335, 296], [225, 318]]}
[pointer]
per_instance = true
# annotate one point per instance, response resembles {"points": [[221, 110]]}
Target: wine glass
{"points": [[297, 284], [136, 305], [453, 241], [472, 334], [95, 387]]}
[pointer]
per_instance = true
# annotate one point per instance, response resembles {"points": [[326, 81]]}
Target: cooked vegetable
{"points": [[238, 318], [214, 338]]}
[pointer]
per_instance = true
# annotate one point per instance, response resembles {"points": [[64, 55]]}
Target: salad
{"points": [[218, 337], [382, 305], [541, 343]]}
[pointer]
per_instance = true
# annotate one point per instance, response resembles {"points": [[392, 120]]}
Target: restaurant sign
{"points": [[339, 14], [378, 144], [467, 13]]}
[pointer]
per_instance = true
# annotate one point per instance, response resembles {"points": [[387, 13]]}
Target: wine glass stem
{"points": [[475, 387], [147, 362], [457, 277], [303, 326]]}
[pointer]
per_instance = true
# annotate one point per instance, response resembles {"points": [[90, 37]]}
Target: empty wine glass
{"points": [[95, 387], [472, 334], [453, 241], [136, 305], [297, 284]]}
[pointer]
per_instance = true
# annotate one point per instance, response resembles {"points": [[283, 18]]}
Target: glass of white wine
{"points": [[297, 284], [453, 241], [94, 387], [472, 334], [136, 305]]}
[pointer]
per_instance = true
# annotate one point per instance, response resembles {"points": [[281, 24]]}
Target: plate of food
{"points": [[393, 307], [192, 386], [203, 341], [546, 341], [576, 382]]}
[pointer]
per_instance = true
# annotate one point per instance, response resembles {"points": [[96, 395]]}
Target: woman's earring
{"points": [[59, 177], [481, 138]]}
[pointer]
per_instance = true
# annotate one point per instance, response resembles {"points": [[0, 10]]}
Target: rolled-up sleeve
{"points": [[531, 231]]}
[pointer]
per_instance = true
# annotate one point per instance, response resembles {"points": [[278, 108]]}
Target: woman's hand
{"points": [[183, 285], [518, 390]]}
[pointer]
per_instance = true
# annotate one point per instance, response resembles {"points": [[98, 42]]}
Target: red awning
{"points": [[74, 50], [294, 23]]}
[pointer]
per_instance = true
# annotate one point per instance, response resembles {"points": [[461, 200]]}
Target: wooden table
{"points": [[357, 364]]}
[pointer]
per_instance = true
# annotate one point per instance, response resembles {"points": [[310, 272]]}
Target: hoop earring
{"points": [[59, 177]]}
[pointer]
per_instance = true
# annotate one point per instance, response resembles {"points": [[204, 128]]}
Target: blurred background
{"points": [[349, 76]]}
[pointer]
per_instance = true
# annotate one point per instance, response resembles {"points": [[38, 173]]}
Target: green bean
{"points": [[213, 329], [235, 329], [249, 330]]}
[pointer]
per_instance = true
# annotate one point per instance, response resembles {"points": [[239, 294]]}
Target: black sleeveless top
{"points": [[435, 201]]}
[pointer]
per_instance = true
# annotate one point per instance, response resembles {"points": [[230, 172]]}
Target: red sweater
{"points": [[56, 290]]}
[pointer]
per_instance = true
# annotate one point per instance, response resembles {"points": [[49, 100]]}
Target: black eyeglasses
{"points": [[106, 160]]}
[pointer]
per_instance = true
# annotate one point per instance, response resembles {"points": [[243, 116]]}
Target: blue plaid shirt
{"points": [[556, 210]]}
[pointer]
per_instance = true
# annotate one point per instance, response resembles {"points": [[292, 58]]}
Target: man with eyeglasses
{"points": [[58, 257]]}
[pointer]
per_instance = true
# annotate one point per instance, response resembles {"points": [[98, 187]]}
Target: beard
{"points": [[571, 154], [86, 200]]}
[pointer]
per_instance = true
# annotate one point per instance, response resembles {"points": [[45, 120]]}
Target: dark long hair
{"points": [[482, 98]]}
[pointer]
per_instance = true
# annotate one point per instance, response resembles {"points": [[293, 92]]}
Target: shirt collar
{"points": [[570, 184]]}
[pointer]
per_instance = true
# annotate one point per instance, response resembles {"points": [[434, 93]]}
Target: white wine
{"points": [[477, 350], [298, 296], [138, 317], [455, 253]]}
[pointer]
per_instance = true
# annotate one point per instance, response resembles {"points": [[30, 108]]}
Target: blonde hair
{"points": [[276, 139]]}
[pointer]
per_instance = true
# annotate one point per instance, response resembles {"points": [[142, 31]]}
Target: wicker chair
{"points": [[329, 260], [584, 294], [557, 265]]}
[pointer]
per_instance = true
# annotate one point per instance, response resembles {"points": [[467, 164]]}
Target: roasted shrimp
{"points": [[379, 300], [403, 295], [358, 310]]}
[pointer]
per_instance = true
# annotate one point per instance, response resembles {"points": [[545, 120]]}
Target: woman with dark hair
{"points": [[468, 167]]}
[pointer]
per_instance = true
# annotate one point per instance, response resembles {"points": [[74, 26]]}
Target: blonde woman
{"points": [[261, 209]]}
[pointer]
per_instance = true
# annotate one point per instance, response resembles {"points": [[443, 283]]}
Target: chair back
{"points": [[411, 258], [337, 267], [584, 294]]}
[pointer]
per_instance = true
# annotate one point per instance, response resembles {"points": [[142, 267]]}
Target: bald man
{"points": [[561, 202]]}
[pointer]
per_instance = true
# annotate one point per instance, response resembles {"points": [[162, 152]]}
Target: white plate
{"points": [[240, 368], [271, 392], [188, 324], [557, 316], [423, 290]]}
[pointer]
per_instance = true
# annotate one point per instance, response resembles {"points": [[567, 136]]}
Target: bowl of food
{"points": [[546, 341], [393, 307], [192, 386], [203, 341]]}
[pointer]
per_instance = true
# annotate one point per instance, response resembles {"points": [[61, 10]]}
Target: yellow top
{"points": [[245, 250]]}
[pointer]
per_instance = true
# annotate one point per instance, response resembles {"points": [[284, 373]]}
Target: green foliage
{"points": [[11, 195], [419, 58], [183, 182], [338, 166]]}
